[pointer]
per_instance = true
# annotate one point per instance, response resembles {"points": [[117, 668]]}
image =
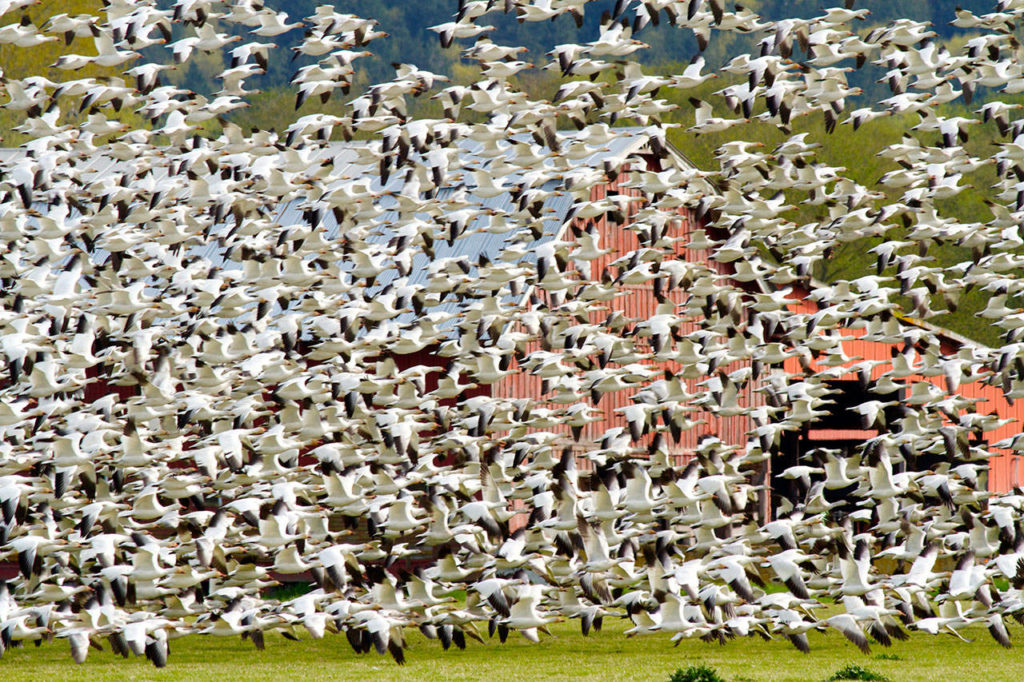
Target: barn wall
{"points": [[1006, 470], [638, 303]]}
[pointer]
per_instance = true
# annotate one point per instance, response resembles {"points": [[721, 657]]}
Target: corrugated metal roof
{"points": [[476, 243]]}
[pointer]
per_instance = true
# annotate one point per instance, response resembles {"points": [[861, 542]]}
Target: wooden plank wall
{"points": [[1006, 470], [638, 303]]}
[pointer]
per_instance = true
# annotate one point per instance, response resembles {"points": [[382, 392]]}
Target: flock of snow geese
{"points": [[203, 389]]}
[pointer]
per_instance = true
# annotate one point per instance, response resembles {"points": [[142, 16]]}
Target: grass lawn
{"points": [[567, 656]]}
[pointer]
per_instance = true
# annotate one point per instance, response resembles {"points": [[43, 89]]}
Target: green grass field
{"points": [[566, 656]]}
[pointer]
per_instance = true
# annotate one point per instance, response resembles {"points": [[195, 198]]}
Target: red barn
{"points": [[624, 266]]}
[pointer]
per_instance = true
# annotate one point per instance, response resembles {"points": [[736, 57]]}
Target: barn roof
{"points": [[350, 161]]}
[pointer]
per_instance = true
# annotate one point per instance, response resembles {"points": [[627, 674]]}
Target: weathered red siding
{"points": [[638, 303], [1005, 469]]}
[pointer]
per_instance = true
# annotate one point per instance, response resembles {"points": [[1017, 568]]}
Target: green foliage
{"points": [[410, 41], [286, 591], [856, 672], [696, 673], [21, 62]]}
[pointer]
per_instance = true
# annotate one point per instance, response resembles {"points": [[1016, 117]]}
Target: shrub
{"points": [[287, 591], [696, 673], [855, 672]]}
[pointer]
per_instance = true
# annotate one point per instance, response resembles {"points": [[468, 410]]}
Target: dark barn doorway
{"points": [[841, 432]]}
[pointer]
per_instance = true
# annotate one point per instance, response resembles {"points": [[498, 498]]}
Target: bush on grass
{"points": [[696, 673], [855, 672]]}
